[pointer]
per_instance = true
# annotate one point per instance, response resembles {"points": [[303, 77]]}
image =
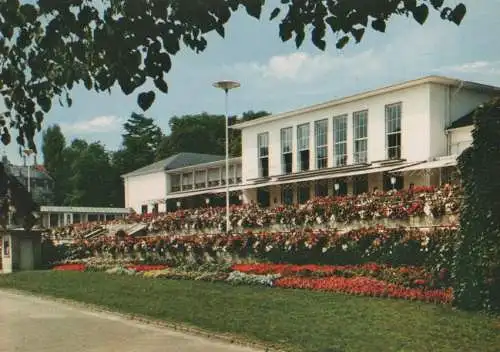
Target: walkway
{"points": [[31, 324]]}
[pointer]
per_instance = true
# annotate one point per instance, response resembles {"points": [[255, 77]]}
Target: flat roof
{"points": [[368, 94]]}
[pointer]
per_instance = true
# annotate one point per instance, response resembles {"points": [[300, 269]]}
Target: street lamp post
{"points": [[28, 153], [226, 86]]}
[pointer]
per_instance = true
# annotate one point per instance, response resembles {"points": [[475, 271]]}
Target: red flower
{"points": [[69, 267]]}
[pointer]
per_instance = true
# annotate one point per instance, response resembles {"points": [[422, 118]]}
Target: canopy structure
{"points": [[430, 165]]}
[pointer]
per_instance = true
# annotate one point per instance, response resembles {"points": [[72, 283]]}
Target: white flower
{"points": [[344, 247], [324, 249]]}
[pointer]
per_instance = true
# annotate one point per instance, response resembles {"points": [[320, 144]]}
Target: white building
{"points": [[182, 180], [407, 133]]}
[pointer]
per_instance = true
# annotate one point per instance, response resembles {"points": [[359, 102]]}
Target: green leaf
{"points": [[379, 25], [342, 42], [220, 30], [274, 13], [458, 14], [317, 38], [299, 38], [253, 7], [146, 99], [437, 3], [5, 136], [358, 33], [161, 85], [44, 103], [421, 13]]}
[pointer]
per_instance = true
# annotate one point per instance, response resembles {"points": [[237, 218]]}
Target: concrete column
{"points": [[194, 179]]}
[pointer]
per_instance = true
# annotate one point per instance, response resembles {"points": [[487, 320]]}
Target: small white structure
{"points": [[59, 216], [21, 250], [164, 183]]}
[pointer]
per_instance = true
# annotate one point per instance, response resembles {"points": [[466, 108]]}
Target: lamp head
{"points": [[226, 85]]}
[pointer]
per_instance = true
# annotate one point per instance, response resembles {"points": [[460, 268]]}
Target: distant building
{"points": [[42, 184]]}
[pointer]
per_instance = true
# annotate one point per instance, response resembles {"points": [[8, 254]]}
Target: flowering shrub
{"points": [[239, 278], [395, 205], [366, 286], [431, 248]]}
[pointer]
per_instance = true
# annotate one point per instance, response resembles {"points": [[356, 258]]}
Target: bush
{"points": [[476, 267]]}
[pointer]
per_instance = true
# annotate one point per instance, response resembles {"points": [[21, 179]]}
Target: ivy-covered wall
{"points": [[477, 260]]}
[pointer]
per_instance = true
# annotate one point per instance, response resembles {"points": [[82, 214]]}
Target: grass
{"points": [[302, 320]]}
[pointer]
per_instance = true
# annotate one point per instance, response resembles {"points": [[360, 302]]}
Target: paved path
{"points": [[31, 324]]}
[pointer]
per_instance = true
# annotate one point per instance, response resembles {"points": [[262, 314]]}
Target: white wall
{"points": [[460, 139], [448, 105], [415, 126], [142, 189]]}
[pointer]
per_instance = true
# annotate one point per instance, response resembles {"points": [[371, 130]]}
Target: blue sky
{"points": [[277, 77]]}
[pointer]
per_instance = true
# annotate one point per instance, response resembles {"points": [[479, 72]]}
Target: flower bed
{"points": [[419, 202], [432, 249], [366, 286], [369, 279]]}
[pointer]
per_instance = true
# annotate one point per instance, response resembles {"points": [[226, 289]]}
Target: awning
{"points": [[370, 170], [203, 191], [445, 162]]}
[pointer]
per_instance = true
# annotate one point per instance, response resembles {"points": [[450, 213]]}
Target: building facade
{"points": [[388, 138], [180, 181], [41, 183]]}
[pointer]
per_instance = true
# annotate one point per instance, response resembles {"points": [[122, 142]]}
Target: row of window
{"points": [[340, 156], [204, 178], [301, 192]]}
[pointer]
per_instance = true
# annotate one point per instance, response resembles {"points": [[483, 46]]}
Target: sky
{"points": [[278, 77]]}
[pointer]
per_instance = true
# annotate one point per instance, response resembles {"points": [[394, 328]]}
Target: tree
{"points": [[477, 260], [93, 179], [235, 142], [48, 47], [53, 145], [140, 143], [186, 131]]}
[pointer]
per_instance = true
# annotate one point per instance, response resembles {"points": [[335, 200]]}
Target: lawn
{"points": [[301, 320]]}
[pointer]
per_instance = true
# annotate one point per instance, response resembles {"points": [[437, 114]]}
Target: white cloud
{"points": [[301, 67], [98, 124], [476, 67]]}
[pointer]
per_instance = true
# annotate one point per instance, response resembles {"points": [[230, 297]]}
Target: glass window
{"points": [[303, 147], [360, 123], [263, 150], [393, 130], [321, 137], [340, 140], [286, 150]]}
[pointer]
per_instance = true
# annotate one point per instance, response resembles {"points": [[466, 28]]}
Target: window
{"points": [[213, 177], [303, 147], [340, 140], [320, 132], [175, 183], [321, 188], [304, 193], [144, 209], [360, 123], [263, 145], [200, 179], [187, 181], [287, 194], [393, 130], [286, 150], [360, 184], [155, 208]]}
